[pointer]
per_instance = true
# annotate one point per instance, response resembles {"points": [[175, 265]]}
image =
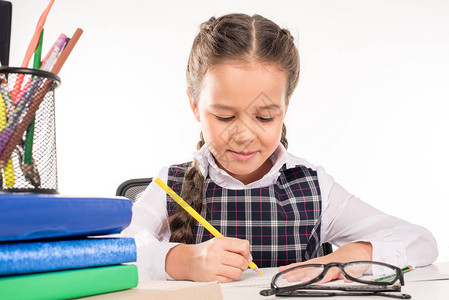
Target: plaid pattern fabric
{"points": [[280, 221]]}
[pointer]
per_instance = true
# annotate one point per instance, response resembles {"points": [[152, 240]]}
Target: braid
{"points": [[284, 141], [182, 223]]}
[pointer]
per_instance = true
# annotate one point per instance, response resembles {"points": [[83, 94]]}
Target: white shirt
{"points": [[345, 219]]}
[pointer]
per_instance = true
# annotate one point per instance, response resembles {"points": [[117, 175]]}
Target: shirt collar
{"points": [[280, 157]]}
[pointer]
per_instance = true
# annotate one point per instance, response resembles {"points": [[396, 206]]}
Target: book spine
{"points": [[54, 216], [33, 257], [69, 284]]}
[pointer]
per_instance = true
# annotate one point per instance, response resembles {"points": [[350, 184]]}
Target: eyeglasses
{"points": [[304, 281]]}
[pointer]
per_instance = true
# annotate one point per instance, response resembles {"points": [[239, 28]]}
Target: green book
{"points": [[69, 284]]}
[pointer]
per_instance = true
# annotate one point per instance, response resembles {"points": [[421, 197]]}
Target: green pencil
{"points": [[29, 169], [28, 147], [389, 277]]}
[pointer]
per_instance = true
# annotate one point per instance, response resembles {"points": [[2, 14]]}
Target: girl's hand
{"points": [[350, 252], [221, 259]]}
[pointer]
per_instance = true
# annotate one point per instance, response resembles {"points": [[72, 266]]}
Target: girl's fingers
{"points": [[223, 279], [307, 274], [332, 274], [221, 259], [234, 260], [236, 245], [282, 268], [230, 272]]}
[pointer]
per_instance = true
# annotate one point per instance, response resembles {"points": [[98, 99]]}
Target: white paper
{"points": [[252, 278], [438, 271]]}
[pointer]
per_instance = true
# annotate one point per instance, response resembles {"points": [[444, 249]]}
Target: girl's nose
{"points": [[243, 133]]}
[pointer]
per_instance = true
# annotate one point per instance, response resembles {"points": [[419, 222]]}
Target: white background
{"points": [[371, 105]]}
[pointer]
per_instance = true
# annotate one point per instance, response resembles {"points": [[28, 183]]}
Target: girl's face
{"points": [[241, 108]]}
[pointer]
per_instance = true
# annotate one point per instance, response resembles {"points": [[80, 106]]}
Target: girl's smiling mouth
{"points": [[243, 155]]}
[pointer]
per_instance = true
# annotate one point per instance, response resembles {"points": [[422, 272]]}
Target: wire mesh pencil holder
{"points": [[27, 131]]}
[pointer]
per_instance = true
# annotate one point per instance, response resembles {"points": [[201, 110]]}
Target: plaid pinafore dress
{"points": [[281, 221]]}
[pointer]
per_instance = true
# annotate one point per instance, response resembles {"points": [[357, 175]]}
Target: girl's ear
{"points": [[193, 106]]}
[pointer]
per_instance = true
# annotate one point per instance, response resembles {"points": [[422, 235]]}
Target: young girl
{"points": [[273, 208]]}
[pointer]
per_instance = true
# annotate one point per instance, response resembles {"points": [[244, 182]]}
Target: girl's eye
{"points": [[224, 119], [263, 119]]}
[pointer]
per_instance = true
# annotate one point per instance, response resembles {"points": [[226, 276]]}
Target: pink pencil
{"points": [[52, 56], [22, 92], [32, 46]]}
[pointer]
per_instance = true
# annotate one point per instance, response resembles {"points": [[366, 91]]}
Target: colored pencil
{"points": [[28, 165], [389, 277], [31, 47], [16, 136], [35, 40], [9, 169]]}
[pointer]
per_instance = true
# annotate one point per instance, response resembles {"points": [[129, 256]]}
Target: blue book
{"points": [[53, 255], [36, 216]]}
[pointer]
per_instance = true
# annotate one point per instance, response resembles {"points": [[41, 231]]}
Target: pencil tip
{"points": [[257, 270]]}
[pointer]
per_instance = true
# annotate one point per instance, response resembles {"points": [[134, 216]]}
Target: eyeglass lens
{"points": [[369, 272], [300, 275]]}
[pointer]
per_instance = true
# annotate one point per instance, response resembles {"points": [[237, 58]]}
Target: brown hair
{"points": [[232, 37]]}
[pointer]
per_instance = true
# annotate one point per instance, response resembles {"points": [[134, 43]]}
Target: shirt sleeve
{"points": [[346, 219], [148, 228]]}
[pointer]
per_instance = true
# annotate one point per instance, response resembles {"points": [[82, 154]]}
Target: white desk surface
{"points": [[423, 290], [429, 283]]}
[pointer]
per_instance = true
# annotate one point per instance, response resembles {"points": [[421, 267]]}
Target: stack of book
{"points": [[55, 247]]}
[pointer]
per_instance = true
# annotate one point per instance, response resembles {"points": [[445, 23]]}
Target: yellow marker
{"points": [[196, 215], [9, 168], [9, 174]]}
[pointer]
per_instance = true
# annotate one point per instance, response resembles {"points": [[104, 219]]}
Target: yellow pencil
{"points": [[196, 215], [9, 168]]}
